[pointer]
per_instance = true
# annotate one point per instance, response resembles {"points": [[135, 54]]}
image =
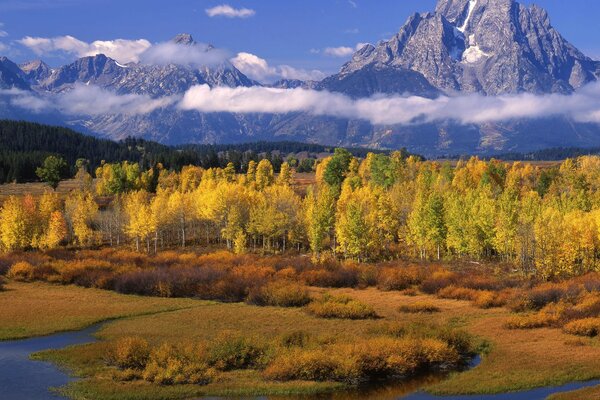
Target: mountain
{"points": [[379, 78], [489, 47], [36, 71], [11, 76]]}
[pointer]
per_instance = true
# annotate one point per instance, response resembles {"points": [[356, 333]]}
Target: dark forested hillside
{"points": [[25, 145]]}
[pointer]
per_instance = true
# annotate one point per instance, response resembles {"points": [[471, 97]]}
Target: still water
{"points": [[24, 379]]}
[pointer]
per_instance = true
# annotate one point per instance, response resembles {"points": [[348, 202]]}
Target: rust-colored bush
{"points": [[400, 278], [438, 280], [21, 271], [583, 327]]}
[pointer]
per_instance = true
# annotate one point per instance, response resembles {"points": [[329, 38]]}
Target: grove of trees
{"points": [[542, 220]]}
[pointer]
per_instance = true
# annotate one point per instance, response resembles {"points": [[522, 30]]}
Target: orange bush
{"points": [[583, 327], [21, 271], [400, 278]]}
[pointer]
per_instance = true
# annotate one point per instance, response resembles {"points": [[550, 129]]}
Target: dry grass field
{"points": [[35, 189], [36, 309]]}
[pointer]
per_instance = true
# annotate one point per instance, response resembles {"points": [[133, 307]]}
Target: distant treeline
{"points": [[25, 145], [552, 154]]}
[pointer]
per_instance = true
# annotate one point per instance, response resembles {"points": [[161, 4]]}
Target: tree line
{"points": [[24, 146], [545, 221]]}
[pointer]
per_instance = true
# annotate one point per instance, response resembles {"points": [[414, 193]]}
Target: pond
{"points": [[25, 379]]}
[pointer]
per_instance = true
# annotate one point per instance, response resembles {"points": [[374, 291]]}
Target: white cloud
{"points": [[173, 53], [339, 51], [3, 33], [85, 100], [353, 3], [121, 50], [225, 10], [583, 106], [343, 51], [258, 69]]}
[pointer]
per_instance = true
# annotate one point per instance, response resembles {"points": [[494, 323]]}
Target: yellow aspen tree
{"points": [[140, 223], [549, 237], [190, 178], [82, 210], [319, 213], [251, 173], [56, 232], [264, 174], [13, 225], [179, 208], [286, 175]]}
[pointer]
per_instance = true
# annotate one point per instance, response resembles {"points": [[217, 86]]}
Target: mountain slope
{"points": [[11, 76]]}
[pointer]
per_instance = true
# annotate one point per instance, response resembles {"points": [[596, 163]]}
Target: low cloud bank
{"points": [[582, 106], [85, 100]]}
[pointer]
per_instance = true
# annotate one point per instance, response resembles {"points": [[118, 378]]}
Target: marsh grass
{"points": [[342, 307]]}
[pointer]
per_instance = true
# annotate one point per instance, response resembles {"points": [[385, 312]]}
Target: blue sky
{"points": [[291, 32]]}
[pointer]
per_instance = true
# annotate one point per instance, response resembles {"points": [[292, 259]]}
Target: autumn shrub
{"points": [[130, 353], [438, 280], [332, 274], [419, 308], [539, 296], [295, 339], [364, 361], [87, 272], [459, 340], [2, 282], [287, 273], [306, 365], [279, 294], [35, 258], [588, 305], [400, 278], [229, 352], [176, 365], [342, 307], [583, 327], [489, 299], [21, 271], [458, 293], [553, 314]]}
